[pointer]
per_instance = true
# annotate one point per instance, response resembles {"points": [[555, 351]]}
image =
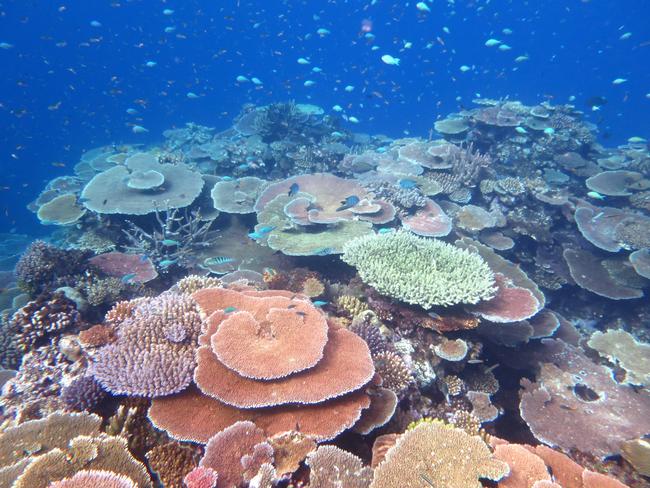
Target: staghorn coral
{"points": [[394, 373], [154, 351], [420, 271], [172, 462], [458, 459], [331, 467]]}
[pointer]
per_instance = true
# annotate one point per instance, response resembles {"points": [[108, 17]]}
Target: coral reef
{"points": [[489, 293]]}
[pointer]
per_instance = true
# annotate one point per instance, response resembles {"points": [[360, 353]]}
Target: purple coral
{"points": [[84, 393], [154, 351]]}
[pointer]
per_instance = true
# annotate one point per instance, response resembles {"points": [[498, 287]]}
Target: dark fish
{"points": [[349, 202], [293, 189], [596, 101]]}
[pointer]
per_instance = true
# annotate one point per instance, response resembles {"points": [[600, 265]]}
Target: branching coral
{"points": [[420, 271], [154, 351], [176, 236], [42, 319]]}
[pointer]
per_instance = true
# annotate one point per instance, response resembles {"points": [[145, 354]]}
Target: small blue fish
{"points": [[243, 166], [349, 202], [229, 309], [227, 178], [144, 258], [324, 251], [319, 303], [128, 278], [166, 263], [386, 230], [407, 184], [170, 242], [218, 260], [293, 189], [261, 232]]}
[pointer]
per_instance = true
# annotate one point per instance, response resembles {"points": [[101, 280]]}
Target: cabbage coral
{"points": [[420, 271]]}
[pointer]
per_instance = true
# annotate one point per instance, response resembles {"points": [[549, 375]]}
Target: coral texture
{"points": [[420, 271]]}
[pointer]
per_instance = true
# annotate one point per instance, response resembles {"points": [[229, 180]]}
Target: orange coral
{"points": [[345, 367], [250, 339], [195, 417], [525, 467], [98, 335]]}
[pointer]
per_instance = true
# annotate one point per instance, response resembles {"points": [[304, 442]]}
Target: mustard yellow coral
{"points": [[432, 454]]}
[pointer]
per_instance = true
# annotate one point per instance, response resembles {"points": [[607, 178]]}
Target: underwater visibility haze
{"points": [[326, 244]]}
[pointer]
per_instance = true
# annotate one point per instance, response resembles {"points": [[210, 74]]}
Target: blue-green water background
{"points": [[66, 84]]}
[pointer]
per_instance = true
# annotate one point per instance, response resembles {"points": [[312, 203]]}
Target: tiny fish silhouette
{"points": [[293, 189]]}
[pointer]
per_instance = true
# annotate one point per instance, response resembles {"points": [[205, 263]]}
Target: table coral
{"points": [[420, 271]]}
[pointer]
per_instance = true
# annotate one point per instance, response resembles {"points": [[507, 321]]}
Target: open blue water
{"points": [[72, 69]]}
